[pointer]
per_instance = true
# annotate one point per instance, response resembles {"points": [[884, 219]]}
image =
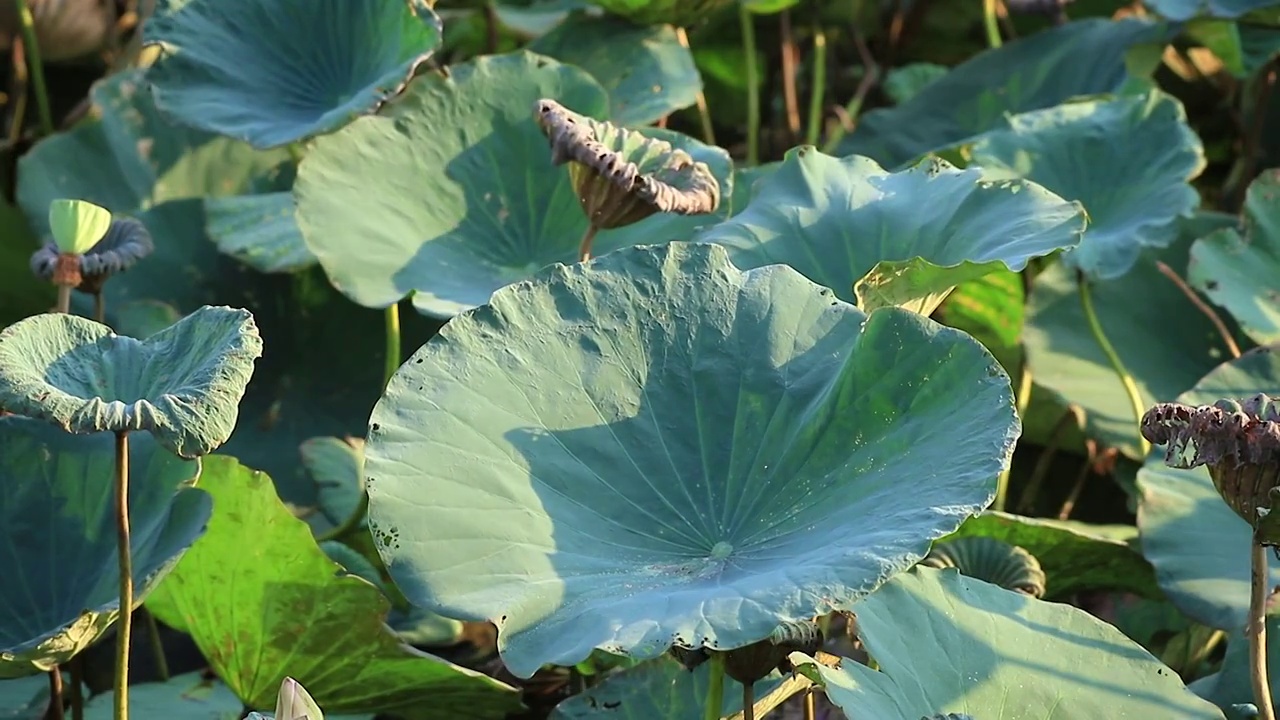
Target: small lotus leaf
{"points": [[57, 529], [77, 225], [660, 689], [622, 177], [997, 654], [272, 73], [903, 238], [680, 13], [1128, 160], [183, 384], [655, 448], [1240, 271]]}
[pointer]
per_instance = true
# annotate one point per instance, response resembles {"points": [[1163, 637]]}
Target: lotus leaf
{"points": [[646, 71], [660, 689], [997, 655], [25, 698], [655, 448], [1230, 687], [1239, 270], [185, 697], [673, 12], [1085, 57], [259, 229], [1180, 10], [21, 293], [1128, 160], [183, 384], [279, 72], [880, 238], [337, 467], [295, 614], [57, 529], [903, 83], [441, 211]]}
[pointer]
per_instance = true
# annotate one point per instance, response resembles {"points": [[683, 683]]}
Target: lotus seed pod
{"points": [[751, 663], [991, 560], [1238, 440], [126, 242]]}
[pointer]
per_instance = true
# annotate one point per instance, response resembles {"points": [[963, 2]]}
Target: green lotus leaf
{"points": [[998, 655], [1180, 10], [767, 7], [259, 229], [294, 614], [902, 238], [429, 188], [184, 697], [1165, 358], [276, 73], [143, 318], [1238, 271], [1128, 160], [57, 531], [22, 293], [655, 448], [1231, 687], [744, 184], [25, 698], [1038, 71], [1197, 544], [903, 83], [183, 384], [680, 13], [646, 71], [1075, 556], [337, 467], [995, 561], [660, 689]]}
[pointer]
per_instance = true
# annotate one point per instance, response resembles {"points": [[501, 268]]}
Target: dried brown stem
{"points": [[1202, 306], [790, 59]]}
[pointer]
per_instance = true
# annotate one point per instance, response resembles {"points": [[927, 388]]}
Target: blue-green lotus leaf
{"points": [[661, 689], [26, 698], [656, 448], [1128, 160], [183, 384], [1240, 271], [1038, 71], [57, 534], [836, 220], [1180, 10], [449, 193], [1232, 687], [272, 73], [258, 230], [997, 655], [1197, 544], [680, 13], [337, 467]]}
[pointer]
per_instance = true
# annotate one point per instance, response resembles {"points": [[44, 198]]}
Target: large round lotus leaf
{"points": [[1199, 547], [997, 655], [57, 535], [263, 602], [680, 13], [1180, 10], [272, 73], [836, 220], [1085, 57], [1165, 357], [183, 384], [449, 193], [656, 448], [1241, 271], [661, 689], [1129, 160], [646, 71]]}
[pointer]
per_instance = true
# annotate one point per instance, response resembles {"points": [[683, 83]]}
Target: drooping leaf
{"points": [[880, 238], [660, 689], [57, 533], [294, 613], [1197, 544], [997, 655], [1166, 344], [646, 71], [1128, 160], [1240, 271], [77, 225], [279, 72], [680, 13], [183, 384], [184, 697], [652, 437], [1084, 57], [441, 210]]}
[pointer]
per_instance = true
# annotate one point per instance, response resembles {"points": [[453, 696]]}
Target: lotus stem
{"points": [[1202, 306], [35, 65], [816, 98], [788, 53], [393, 343], [1130, 387], [64, 299], [788, 689], [76, 666], [850, 112], [700, 99], [1256, 630], [753, 84], [125, 623], [100, 308], [992, 23], [715, 690], [749, 701], [584, 247], [810, 705], [1022, 399], [157, 647], [55, 694]]}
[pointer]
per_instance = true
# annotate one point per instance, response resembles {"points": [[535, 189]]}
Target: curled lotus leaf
{"points": [[621, 176], [182, 384], [127, 241], [995, 561]]}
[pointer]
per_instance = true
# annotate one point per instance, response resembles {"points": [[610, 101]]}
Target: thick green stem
{"points": [[393, 343], [1130, 387], [1256, 629], [753, 84], [1022, 399], [816, 98], [992, 23], [715, 690], [125, 623], [35, 66], [157, 647]]}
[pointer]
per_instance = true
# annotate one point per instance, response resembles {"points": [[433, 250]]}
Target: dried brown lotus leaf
{"points": [[621, 176]]}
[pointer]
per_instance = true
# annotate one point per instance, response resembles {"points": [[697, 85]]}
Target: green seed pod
{"points": [[992, 560]]}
